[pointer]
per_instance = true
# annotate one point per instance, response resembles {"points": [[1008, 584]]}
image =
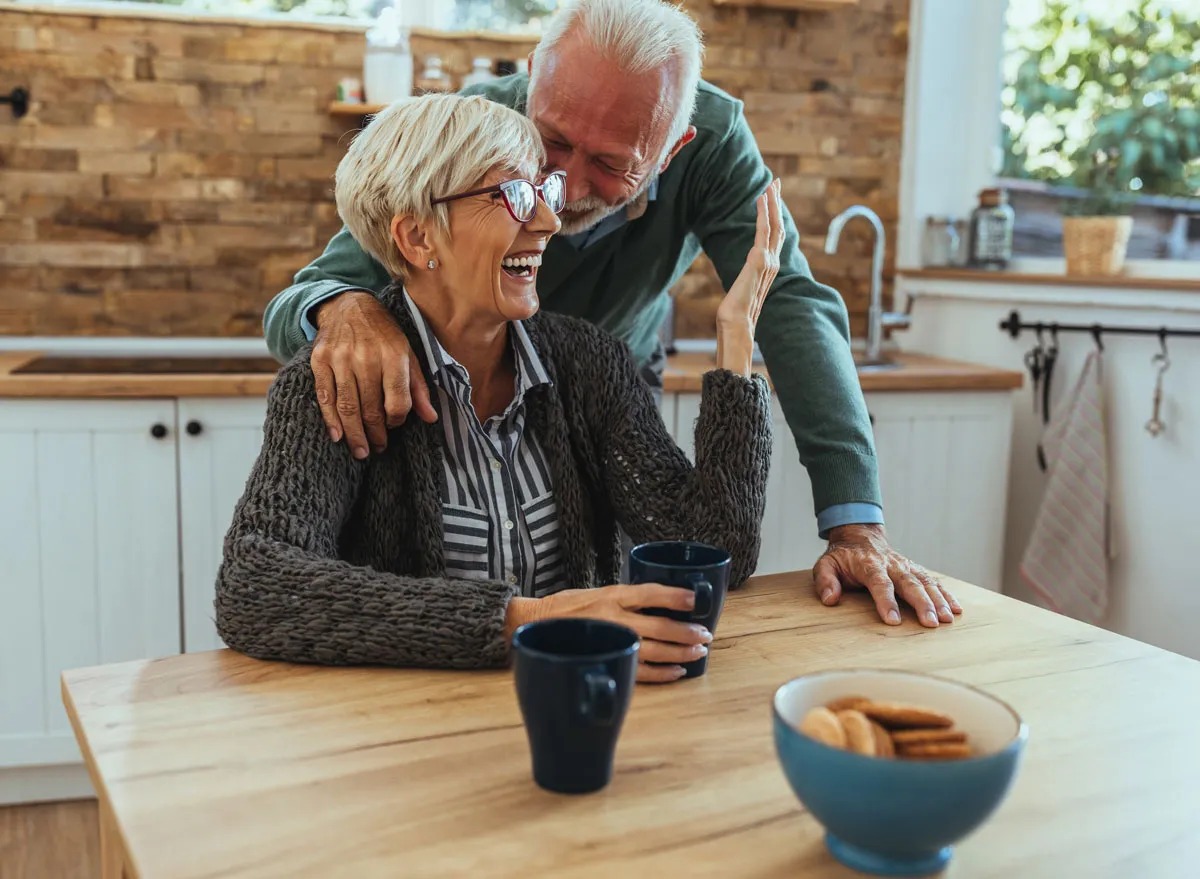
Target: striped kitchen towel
{"points": [[1066, 560]]}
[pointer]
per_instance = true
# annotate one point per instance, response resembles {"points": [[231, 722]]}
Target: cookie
{"points": [[938, 751], [928, 737], [859, 737], [894, 715], [823, 725], [884, 747], [847, 703]]}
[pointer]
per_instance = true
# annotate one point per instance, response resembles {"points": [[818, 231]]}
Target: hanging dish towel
{"points": [[1066, 560]]}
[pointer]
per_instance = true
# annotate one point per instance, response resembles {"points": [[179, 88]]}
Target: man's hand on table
{"points": [[859, 555], [366, 373]]}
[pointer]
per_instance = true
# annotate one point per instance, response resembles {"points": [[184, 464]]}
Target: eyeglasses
{"points": [[520, 195]]}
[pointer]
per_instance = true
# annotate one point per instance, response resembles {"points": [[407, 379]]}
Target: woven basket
{"points": [[1096, 245]]}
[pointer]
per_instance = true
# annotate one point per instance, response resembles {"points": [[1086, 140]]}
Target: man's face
{"points": [[607, 129]]}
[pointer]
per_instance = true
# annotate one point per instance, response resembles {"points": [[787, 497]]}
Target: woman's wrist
{"points": [[735, 347], [519, 612]]}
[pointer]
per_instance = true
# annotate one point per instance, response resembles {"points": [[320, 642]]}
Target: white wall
{"points": [[1155, 482]]}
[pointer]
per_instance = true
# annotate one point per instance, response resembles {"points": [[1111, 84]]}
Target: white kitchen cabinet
{"points": [[219, 440], [943, 468], [90, 548]]}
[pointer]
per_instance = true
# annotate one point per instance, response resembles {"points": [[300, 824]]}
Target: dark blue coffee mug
{"points": [[574, 681], [699, 567]]}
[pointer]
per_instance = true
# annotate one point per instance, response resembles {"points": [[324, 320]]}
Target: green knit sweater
{"points": [[704, 200]]}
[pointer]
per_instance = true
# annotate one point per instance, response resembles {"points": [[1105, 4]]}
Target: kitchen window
{"points": [[1100, 110], [965, 131]]}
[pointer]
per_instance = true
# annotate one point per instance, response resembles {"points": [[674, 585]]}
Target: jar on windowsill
{"points": [[991, 227]]}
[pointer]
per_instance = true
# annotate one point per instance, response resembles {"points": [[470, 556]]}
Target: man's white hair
{"points": [[640, 36], [418, 149]]}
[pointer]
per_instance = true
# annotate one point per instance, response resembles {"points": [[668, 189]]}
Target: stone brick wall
{"points": [[173, 173], [824, 95]]}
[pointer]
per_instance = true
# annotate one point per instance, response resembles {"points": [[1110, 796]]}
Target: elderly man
{"points": [[659, 166]]}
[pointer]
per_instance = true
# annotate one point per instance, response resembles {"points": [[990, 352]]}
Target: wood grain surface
{"points": [[214, 764], [684, 373]]}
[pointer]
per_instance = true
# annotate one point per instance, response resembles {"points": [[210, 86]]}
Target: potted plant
{"points": [[1096, 227]]}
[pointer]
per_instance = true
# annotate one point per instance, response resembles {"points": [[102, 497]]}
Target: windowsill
{"points": [[1123, 282], [266, 19], [1021, 289]]}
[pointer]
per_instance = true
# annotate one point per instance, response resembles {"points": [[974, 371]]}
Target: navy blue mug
{"points": [[574, 680], [699, 567]]}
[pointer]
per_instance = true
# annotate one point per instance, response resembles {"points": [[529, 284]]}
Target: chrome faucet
{"points": [[877, 320]]}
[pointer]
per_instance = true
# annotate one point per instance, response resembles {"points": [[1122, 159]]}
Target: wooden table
{"points": [[213, 764]]}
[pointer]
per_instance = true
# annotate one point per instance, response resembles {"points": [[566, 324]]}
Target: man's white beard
{"points": [[579, 216]]}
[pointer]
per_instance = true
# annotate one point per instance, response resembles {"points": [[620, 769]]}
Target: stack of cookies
{"points": [[886, 729]]}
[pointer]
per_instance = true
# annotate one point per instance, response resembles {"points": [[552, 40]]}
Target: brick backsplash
{"points": [[173, 173]]}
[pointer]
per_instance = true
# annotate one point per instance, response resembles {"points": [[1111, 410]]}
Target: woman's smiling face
{"points": [[489, 262]]}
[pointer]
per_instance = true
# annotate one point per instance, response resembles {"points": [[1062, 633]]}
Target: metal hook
{"points": [[1054, 337], [1162, 360], [1097, 331]]}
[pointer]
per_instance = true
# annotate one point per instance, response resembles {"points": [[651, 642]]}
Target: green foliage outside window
{"points": [[1105, 97]]}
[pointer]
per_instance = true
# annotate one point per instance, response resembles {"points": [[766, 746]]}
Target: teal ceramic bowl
{"points": [[897, 817]]}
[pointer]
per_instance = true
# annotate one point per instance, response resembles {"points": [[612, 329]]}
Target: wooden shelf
{"points": [[1189, 285], [791, 5], [340, 108]]}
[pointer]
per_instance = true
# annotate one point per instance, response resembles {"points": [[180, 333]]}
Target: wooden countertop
{"points": [[983, 276], [213, 764], [917, 372]]}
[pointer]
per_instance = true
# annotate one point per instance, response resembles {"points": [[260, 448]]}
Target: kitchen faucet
{"points": [[877, 319]]}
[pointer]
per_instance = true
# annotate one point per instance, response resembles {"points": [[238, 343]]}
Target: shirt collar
{"points": [[530, 370]]}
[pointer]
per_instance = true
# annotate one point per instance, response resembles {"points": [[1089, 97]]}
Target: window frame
{"points": [[950, 146]]}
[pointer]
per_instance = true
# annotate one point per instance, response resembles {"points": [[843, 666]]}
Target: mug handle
{"points": [[599, 703], [704, 596]]}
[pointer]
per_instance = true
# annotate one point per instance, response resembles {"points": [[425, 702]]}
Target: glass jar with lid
{"points": [[992, 231], [939, 244]]}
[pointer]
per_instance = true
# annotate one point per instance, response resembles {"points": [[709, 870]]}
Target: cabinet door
{"points": [[90, 548], [943, 469], [219, 440], [789, 530]]}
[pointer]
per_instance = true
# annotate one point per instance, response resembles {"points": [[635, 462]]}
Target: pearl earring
{"points": [[432, 264]]}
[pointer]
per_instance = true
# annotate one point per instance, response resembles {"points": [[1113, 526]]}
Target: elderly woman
{"points": [[507, 508]]}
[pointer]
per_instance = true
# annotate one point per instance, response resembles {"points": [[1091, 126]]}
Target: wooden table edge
{"points": [[116, 860]]}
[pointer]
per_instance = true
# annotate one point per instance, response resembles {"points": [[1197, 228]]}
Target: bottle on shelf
{"points": [[388, 63], [992, 231], [481, 72], [433, 79]]}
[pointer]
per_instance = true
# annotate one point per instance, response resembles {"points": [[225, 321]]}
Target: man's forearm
{"points": [[804, 338]]}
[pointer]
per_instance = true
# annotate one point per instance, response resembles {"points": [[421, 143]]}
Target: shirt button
{"points": [[512, 579], [508, 525], [495, 465]]}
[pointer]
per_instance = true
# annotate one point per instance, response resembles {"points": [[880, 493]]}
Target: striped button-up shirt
{"points": [[498, 509]]}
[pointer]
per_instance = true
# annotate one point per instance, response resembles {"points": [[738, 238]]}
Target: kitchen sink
{"points": [[67, 365], [883, 364]]}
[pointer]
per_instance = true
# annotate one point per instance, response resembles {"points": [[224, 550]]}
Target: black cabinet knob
{"points": [[194, 428], [158, 431]]}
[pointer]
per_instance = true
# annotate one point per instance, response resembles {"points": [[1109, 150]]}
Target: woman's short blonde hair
{"points": [[418, 149]]}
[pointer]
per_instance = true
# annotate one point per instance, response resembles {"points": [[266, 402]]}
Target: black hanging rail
{"points": [[1014, 326]]}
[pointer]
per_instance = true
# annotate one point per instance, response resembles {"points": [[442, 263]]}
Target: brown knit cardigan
{"points": [[337, 561]]}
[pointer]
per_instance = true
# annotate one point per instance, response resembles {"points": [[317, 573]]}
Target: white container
{"points": [[388, 63], [481, 72]]}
